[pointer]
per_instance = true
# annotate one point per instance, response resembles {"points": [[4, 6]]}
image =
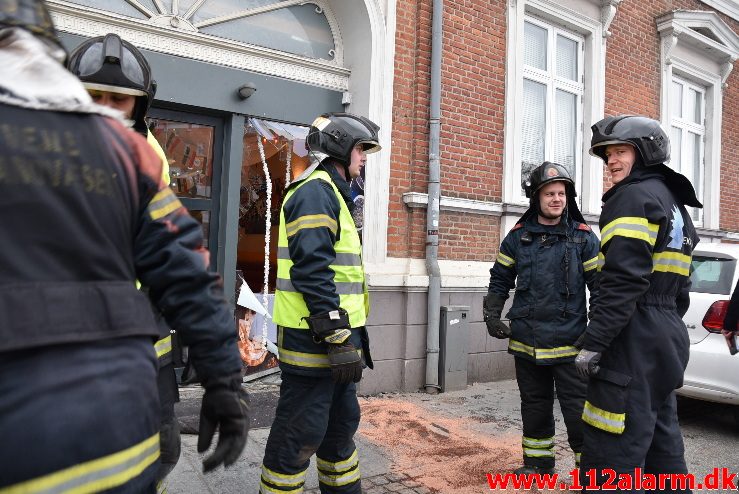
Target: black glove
{"points": [[346, 364], [586, 363], [226, 406], [492, 306]]}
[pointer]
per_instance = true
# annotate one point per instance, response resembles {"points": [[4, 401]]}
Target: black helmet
{"points": [[336, 134], [545, 173], [108, 63], [31, 15], [644, 133]]}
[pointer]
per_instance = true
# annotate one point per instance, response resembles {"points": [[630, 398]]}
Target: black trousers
{"points": [[651, 442], [536, 384], [314, 416]]}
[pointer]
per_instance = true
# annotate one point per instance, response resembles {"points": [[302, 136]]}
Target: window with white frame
{"points": [[688, 136], [551, 98]]}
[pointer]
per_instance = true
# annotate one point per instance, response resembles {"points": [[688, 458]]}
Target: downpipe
{"points": [[432, 209]]}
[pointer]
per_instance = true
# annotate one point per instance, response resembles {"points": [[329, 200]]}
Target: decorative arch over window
{"points": [[266, 36], [698, 51]]}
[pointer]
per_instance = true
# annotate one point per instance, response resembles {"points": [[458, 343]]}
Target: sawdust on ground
{"points": [[442, 453]]}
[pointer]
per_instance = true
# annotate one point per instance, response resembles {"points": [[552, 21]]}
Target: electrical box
{"points": [[453, 347]]}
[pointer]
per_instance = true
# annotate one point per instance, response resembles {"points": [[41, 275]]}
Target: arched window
{"points": [[298, 27]]}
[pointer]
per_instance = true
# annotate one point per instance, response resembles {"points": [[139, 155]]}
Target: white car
{"points": [[712, 373]]}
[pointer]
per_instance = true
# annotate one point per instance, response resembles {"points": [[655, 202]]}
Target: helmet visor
{"points": [[597, 149], [93, 60], [369, 146]]}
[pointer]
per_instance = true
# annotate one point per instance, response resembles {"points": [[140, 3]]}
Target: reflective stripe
{"points": [[601, 261], [543, 353], [302, 359], [295, 480], [590, 264], [163, 203], [538, 443], [163, 346], [342, 287], [517, 346], [631, 227], [339, 466], [538, 453], [604, 420], [342, 258], [265, 489], [505, 260], [95, 475], [562, 351], [340, 479], [311, 221], [577, 459], [672, 262]]}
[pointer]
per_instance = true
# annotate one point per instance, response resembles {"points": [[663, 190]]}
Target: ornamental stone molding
{"points": [[607, 13], [703, 32], [175, 36]]}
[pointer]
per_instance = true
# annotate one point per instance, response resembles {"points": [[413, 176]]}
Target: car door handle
{"points": [[690, 326]]}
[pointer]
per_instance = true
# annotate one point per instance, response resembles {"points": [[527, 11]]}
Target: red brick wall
{"points": [[471, 145], [473, 103]]}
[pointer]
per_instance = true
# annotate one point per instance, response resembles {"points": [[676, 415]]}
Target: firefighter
{"points": [[117, 75], [85, 213], [550, 255], [321, 306], [636, 346]]}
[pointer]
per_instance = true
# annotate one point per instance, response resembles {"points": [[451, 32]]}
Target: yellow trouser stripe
{"points": [[283, 479], [339, 466], [339, 479], [95, 475], [604, 420], [311, 221], [163, 346], [538, 443], [538, 453], [631, 227]]}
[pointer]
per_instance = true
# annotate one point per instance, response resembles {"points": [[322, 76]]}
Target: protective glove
{"points": [[346, 364], [225, 406], [492, 306], [586, 363]]}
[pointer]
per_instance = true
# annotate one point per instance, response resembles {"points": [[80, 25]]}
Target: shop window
{"points": [[192, 144], [274, 154]]}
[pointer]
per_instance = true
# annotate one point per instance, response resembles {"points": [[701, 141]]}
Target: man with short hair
{"points": [[636, 347], [550, 256], [117, 75], [321, 307]]}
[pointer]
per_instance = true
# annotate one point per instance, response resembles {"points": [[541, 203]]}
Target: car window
{"points": [[712, 275]]}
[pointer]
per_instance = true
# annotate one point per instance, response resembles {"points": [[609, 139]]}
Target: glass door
{"points": [[193, 145]]}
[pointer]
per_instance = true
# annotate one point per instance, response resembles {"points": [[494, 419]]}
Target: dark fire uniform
{"points": [[81, 222], [647, 242]]}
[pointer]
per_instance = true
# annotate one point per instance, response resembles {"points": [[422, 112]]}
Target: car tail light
{"points": [[713, 321]]}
